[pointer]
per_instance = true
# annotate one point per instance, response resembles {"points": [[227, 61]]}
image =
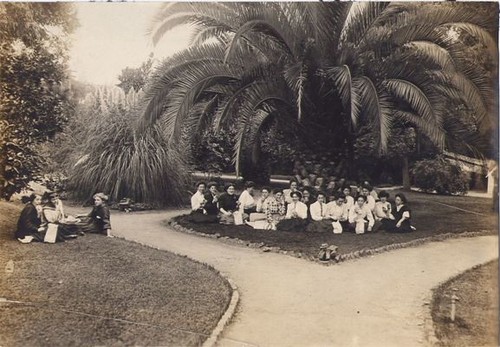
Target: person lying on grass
{"points": [[98, 220], [29, 224], [360, 216]]}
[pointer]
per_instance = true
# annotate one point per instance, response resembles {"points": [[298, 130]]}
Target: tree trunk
{"points": [[406, 175]]}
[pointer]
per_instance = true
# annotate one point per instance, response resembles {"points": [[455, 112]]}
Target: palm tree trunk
{"points": [[406, 174]]}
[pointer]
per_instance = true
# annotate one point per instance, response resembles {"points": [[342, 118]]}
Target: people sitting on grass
{"points": [[370, 200], [320, 220], [29, 225], [280, 204], [53, 214], [212, 200], [307, 199], [402, 217], [246, 199], [287, 192], [228, 205], [360, 216], [98, 220], [338, 212], [199, 212], [296, 215], [265, 210], [349, 200], [383, 210]]}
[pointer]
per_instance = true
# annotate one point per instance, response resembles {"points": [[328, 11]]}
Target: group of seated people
{"points": [[43, 219], [307, 209]]}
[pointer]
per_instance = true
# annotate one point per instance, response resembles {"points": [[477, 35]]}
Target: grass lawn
{"points": [[155, 297], [429, 216], [476, 320]]}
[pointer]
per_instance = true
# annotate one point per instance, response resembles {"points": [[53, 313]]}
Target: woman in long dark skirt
{"points": [[98, 220], [296, 215], [29, 223], [401, 222], [53, 212], [201, 212]]}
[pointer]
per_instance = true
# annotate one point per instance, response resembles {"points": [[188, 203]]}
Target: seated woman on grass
{"points": [[320, 221], [308, 199], [199, 213], [228, 205], [296, 215], [349, 200], [360, 216], [287, 192], [98, 220], [402, 215], [280, 205], [338, 212], [370, 200], [212, 201], [246, 199], [29, 223], [266, 208], [382, 211], [53, 212]]}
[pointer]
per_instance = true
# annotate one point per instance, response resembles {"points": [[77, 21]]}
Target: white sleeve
{"points": [[315, 212]]}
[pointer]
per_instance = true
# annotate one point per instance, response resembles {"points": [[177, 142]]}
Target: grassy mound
{"points": [[100, 291], [476, 320], [432, 215]]}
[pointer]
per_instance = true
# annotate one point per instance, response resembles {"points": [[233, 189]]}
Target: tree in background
{"points": [[34, 102], [135, 78], [327, 69]]}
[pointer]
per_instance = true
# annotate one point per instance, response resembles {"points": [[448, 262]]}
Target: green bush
{"points": [[440, 175]]}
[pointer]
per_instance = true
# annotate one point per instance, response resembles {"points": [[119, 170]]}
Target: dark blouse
{"points": [[406, 224], [210, 205], [28, 222], [100, 216], [228, 202]]}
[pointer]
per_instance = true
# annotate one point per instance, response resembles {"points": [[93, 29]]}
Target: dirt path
{"points": [[376, 301]]}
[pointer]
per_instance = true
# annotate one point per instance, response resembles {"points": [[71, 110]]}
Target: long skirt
{"points": [[89, 225], [200, 217], [320, 226], [294, 224], [389, 225]]}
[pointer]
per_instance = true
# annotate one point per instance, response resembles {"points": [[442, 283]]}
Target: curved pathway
{"points": [[374, 301]]}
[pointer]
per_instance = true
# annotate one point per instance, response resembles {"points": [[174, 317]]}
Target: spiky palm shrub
{"points": [[327, 69], [123, 163]]}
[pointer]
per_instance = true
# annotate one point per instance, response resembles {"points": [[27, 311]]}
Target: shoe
{"points": [[26, 239], [413, 228], [71, 236]]}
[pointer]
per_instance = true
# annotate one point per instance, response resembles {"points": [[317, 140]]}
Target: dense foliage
{"points": [[115, 159], [327, 72], [441, 176], [34, 102]]}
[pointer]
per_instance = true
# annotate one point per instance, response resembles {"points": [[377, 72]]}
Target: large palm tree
{"points": [[325, 67]]}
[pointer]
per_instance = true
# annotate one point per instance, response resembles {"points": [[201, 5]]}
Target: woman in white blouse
{"points": [[360, 216], [296, 214]]}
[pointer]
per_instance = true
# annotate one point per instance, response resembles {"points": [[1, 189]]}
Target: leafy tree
{"points": [[33, 98], [135, 78], [325, 69]]}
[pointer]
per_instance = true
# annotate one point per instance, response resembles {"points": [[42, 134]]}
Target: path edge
{"points": [[171, 223], [227, 316], [233, 302]]}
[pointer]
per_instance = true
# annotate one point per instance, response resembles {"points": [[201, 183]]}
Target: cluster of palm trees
{"points": [[327, 69]]}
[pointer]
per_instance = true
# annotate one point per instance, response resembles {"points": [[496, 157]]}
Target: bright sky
{"points": [[113, 36]]}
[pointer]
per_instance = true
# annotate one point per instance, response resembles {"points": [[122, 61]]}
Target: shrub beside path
{"points": [[285, 301]]}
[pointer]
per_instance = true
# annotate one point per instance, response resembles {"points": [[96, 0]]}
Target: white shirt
{"points": [[246, 200], [337, 212], [299, 208], [197, 201], [370, 202], [349, 201], [379, 210], [357, 213], [318, 210]]}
